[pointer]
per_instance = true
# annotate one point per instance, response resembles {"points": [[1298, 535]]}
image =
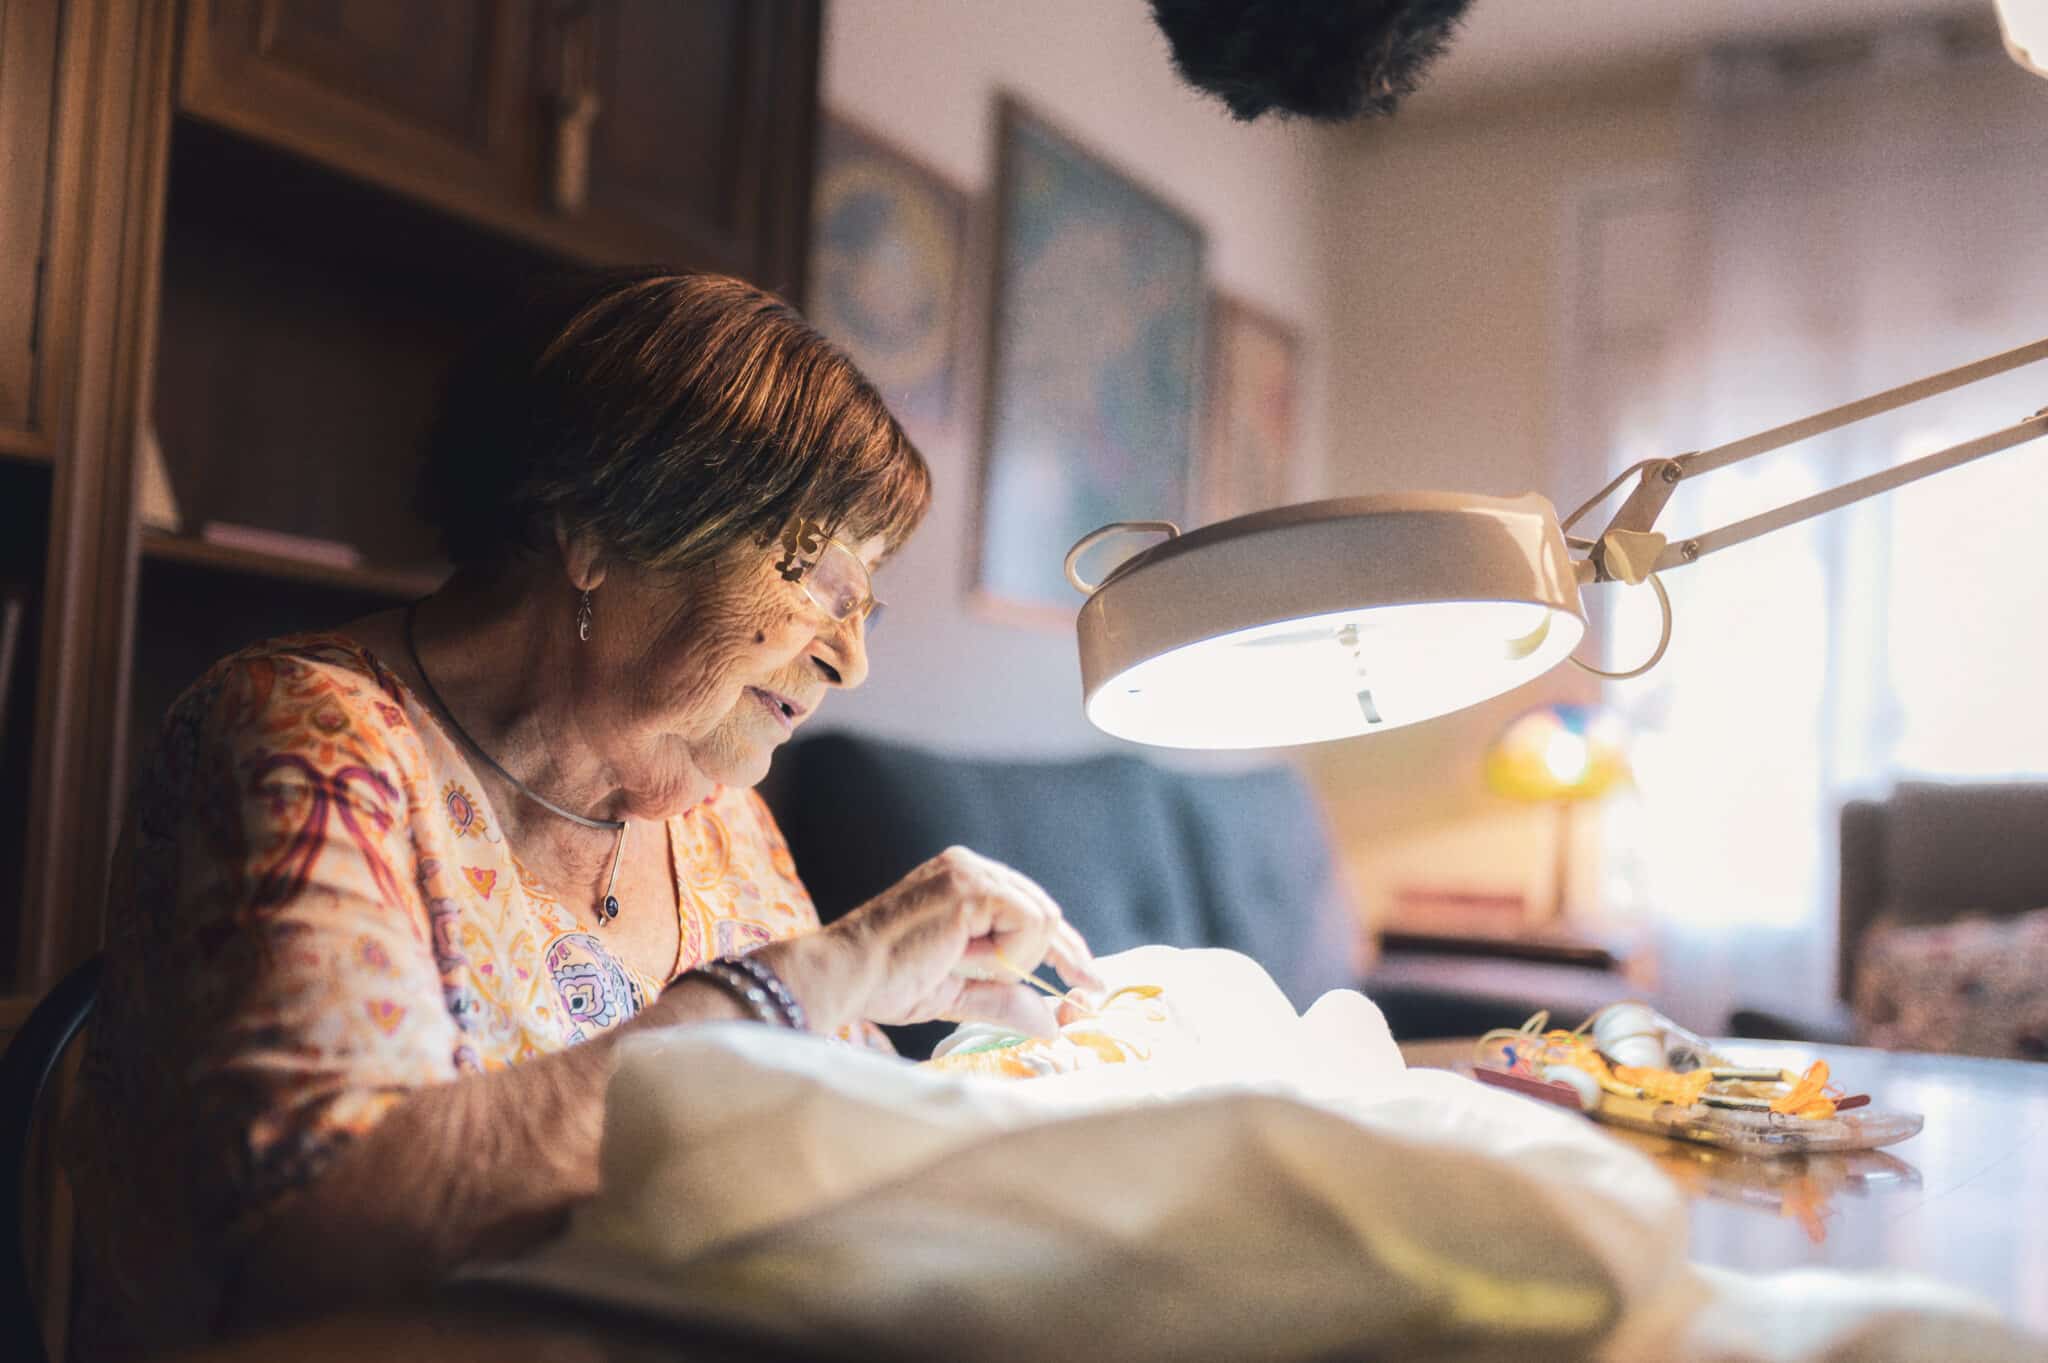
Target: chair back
{"points": [[1936, 852], [25, 1071]]}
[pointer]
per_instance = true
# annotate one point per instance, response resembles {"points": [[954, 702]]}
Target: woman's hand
{"points": [[940, 944]]}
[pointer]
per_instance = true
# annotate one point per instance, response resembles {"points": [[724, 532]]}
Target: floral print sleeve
{"points": [[287, 911], [270, 987]]}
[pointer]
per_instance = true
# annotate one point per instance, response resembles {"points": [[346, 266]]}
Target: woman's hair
{"points": [[669, 414]]}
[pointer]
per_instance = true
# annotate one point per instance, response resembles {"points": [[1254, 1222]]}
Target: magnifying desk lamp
{"points": [[1349, 616]]}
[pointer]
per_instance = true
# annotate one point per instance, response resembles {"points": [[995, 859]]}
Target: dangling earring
{"points": [[583, 619]]}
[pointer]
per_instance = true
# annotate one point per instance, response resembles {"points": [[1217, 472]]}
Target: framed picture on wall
{"points": [[888, 250], [1095, 363], [1248, 432]]}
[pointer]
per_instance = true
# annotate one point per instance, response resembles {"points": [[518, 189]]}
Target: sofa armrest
{"points": [[1834, 1027], [1861, 884]]}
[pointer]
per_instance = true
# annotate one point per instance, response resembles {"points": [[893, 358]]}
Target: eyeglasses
{"points": [[837, 582]]}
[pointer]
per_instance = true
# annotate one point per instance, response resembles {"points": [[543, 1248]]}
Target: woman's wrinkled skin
{"points": [[689, 681]]}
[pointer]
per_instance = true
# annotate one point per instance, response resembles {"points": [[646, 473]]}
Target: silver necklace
{"points": [[608, 907]]}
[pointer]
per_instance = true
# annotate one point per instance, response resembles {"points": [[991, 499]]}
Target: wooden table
{"points": [[1965, 1201]]}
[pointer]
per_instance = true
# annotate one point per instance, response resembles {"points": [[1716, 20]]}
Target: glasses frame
{"points": [[805, 544]]}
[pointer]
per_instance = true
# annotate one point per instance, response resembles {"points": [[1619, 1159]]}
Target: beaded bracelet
{"points": [[741, 986], [771, 984], [754, 984]]}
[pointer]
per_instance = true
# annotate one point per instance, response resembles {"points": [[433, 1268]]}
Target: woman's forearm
{"points": [[476, 1169]]}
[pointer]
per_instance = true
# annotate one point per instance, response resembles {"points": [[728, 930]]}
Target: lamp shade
{"points": [[2024, 23], [1328, 619], [1559, 752]]}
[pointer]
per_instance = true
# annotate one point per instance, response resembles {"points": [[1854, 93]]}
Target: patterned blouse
{"points": [[314, 913]]}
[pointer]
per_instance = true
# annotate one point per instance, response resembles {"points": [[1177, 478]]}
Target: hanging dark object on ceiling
{"points": [[1323, 59]]}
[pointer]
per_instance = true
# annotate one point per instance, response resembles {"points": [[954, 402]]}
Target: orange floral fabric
{"points": [[313, 915]]}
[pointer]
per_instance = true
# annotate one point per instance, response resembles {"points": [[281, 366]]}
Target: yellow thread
{"points": [[1028, 978], [1473, 1297], [1808, 1096]]}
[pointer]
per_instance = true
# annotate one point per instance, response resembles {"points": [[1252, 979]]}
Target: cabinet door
{"points": [[28, 131], [700, 140], [431, 100]]}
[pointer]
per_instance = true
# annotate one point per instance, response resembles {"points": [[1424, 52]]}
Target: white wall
{"points": [[925, 75], [1450, 336], [1423, 260]]}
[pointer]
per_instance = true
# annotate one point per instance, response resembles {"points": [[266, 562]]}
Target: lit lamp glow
{"points": [[1561, 755], [1350, 616], [2024, 24]]}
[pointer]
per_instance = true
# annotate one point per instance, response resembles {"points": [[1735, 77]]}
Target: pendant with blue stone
{"points": [[608, 910]]}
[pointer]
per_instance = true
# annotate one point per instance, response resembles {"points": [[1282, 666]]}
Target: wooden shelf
{"points": [[24, 448], [400, 584]]}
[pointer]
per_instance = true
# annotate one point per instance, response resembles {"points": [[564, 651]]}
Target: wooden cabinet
{"points": [[253, 234], [599, 130], [429, 99], [66, 527], [700, 134], [28, 132]]}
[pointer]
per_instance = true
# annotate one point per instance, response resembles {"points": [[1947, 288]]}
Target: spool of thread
{"points": [[1631, 1034], [1580, 1082]]}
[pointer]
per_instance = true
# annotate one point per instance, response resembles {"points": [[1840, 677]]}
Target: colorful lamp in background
{"points": [[1562, 755]]}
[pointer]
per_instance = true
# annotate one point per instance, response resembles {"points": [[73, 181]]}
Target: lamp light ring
{"points": [[1663, 640], [1095, 537]]}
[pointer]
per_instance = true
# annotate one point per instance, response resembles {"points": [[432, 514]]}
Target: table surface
{"points": [[1965, 1201]]}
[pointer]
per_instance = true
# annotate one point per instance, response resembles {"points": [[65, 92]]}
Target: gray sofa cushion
{"points": [[1133, 852], [1265, 878], [1099, 835]]}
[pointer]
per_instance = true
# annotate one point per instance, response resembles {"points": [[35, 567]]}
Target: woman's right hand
{"points": [[940, 943]]}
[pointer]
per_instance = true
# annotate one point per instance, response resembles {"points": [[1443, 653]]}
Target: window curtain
{"points": [[1849, 216]]}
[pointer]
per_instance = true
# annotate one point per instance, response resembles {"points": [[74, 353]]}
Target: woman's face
{"points": [[690, 681]]}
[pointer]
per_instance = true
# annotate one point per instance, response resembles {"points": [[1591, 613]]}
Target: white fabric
{"points": [[1276, 1188]]}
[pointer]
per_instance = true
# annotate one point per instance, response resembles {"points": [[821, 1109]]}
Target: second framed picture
{"points": [[1248, 433], [1096, 363]]}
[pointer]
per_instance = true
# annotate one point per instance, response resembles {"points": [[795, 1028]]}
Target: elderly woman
{"points": [[391, 895]]}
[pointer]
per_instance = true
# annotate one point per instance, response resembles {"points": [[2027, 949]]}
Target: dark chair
{"points": [[1931, 853], [32, 1057]]}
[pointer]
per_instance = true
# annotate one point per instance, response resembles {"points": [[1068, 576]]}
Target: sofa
{"points": [[1134, 852]]}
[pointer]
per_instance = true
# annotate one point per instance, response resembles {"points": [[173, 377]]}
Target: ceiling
{"points": [[1522, 46]]}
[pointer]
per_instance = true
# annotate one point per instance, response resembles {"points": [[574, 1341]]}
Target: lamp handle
{"points": [[1095, 537]]}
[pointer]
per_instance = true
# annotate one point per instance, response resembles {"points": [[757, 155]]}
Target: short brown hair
{"points": [[670, 414]]}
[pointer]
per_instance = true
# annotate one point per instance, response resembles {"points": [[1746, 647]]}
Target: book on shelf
{"points": [[281, 544], [156, 506]]}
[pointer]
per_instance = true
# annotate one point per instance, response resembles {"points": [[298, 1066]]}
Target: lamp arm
{"points": [[1629, 550], [1820, 503]]}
